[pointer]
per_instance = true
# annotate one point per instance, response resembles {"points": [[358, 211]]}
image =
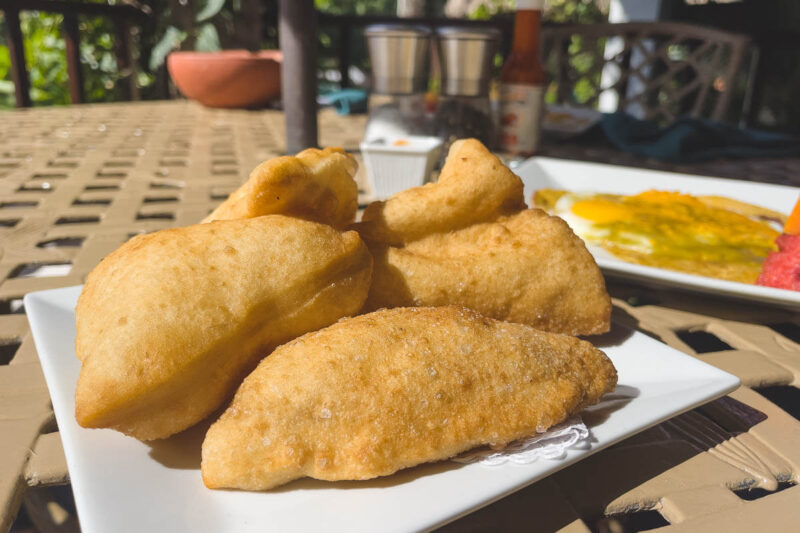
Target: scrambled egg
{"points": [[706, 235]]}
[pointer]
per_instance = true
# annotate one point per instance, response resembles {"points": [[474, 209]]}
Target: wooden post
{"points": [[297, 33], [344, 54], [16, 49], [72, 43], [125, 63]]}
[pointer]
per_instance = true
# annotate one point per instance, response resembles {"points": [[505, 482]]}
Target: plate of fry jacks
{"points": [[280, 366]]}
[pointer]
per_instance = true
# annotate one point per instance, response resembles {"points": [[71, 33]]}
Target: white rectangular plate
{"points": [[124, 485], [544, 172]]}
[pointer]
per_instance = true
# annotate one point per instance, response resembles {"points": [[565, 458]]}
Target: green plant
{"points": [[561, 11], [46, 61], [356, 7], [575, 11], [491, 8], [187, 30], [44, 50], [98, 61]]}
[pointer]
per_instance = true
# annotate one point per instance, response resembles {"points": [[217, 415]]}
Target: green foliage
{"points": [[98, 62], [210, 9], [490, 8], [585, 57], [46, 51], [574, 11], [207, 38], [171, 40], [6, 85], [561, 11], [45, 57], [186, 32], [357, 7]]}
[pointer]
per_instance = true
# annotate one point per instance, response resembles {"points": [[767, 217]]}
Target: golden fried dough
{"points": [[392, 389], [314, 185], [170, 323], [474, 186], [469, 240], [528, 267]]}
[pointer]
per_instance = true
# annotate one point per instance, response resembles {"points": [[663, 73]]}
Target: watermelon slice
{"points": [[781, 269]]}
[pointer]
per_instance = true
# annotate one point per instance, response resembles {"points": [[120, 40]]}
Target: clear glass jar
{"points": [[397, 116], [459, 117]]}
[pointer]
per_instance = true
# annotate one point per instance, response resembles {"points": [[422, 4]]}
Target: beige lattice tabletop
{"points": [[76, 182]]}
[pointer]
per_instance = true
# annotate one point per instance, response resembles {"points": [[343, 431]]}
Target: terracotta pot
{"points": [[229, 78]]}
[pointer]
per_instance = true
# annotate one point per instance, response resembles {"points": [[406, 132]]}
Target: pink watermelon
{"points": [[781, 269]]}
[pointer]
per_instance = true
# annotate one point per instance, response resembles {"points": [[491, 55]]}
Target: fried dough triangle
{"points": [[392, 389], [528, 267], [470, 240], [315, 185], [170, 323], [474, 186]]}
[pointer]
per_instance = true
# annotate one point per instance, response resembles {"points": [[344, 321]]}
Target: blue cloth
{"points": [[347, 101], [693, 139]]}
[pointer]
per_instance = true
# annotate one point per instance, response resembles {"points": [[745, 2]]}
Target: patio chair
{"points": [[656, 71]]}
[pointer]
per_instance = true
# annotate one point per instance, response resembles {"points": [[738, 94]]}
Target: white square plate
{"points": [[124, 485], [544, 172]]}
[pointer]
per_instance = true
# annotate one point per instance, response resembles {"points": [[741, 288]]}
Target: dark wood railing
{"points": [[122, 16]]}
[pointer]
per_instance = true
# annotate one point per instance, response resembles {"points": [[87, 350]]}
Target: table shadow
{"points": [[613, 401], [620, 331], [182, 450], [400, 477]]}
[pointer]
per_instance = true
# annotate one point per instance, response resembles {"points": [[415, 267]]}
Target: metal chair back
{"points": [[657, 70]]}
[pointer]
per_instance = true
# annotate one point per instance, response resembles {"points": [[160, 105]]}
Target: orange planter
{"points": [[229, 78]]}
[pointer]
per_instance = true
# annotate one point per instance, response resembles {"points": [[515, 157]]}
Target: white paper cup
{"points": [[394, 165]]}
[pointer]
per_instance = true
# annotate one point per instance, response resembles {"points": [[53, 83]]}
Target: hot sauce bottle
{"points": [[522, 83]]}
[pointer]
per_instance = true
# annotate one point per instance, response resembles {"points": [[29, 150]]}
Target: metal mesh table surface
{"points": [[76, 182]]}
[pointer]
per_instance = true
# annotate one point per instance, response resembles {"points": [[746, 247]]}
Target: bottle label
{"points": [[520, 116]]}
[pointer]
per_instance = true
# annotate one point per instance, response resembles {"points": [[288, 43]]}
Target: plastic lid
{"points": [[465, 32], [530, 4]]}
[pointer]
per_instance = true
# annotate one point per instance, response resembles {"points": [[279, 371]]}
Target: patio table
{"points": [[76, 182]]}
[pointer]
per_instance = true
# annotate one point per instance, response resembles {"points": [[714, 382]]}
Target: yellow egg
{"points": [[600, 210], [584, 227], [669, 230]]}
